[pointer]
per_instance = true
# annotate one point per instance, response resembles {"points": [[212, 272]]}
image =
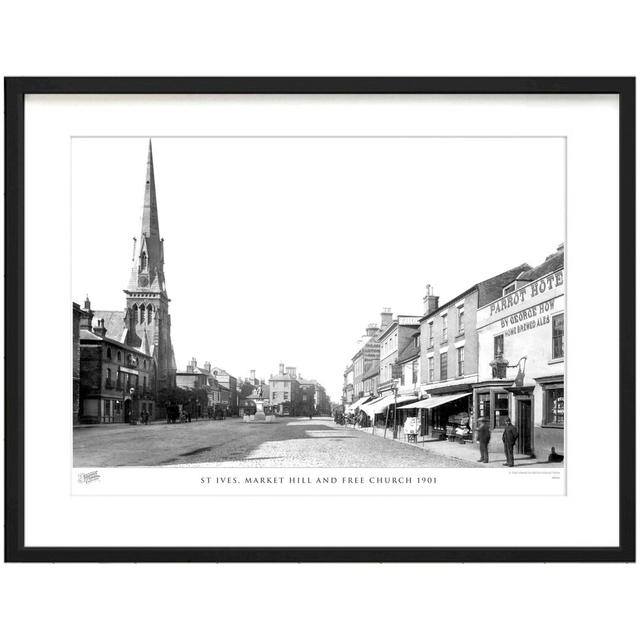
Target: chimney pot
{"points": [[430, 301]]}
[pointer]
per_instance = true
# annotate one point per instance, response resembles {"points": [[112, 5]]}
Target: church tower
{"points": [[147, 320]]}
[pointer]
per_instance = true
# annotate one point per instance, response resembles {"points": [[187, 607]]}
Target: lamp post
{"points": [[395, 409]]}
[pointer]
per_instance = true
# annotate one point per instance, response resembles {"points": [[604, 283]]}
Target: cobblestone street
{"points": [[289, 442]]}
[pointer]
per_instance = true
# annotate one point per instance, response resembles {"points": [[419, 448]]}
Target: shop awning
{"points": [[380, 405], [435, 401], [357, 403]]}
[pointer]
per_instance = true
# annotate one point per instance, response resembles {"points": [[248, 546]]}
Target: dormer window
{"points": [[509, 289]]}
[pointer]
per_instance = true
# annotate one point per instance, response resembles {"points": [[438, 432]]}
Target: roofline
{"points": [[437, 311]]}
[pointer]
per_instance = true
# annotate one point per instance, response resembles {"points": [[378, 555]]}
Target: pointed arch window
{"points": [[134, 311], [141, 313], [143, 261], [149, 313]]}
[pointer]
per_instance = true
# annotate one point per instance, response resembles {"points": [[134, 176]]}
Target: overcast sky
{"points": [[284, 249]]}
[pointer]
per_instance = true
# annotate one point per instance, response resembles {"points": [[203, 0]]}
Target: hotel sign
{"points": [[528, 292]]}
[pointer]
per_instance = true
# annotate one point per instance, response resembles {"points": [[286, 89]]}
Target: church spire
{"points": [[147, 272], [150, 226]]}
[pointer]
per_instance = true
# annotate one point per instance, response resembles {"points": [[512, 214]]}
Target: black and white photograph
{"points": [[319, 302], [332, 305]]}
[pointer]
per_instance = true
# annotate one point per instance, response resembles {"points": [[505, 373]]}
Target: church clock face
{"points": [[143, 281]]}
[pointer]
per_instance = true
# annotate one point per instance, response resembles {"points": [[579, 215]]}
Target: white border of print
{"points": [[54, 517]]}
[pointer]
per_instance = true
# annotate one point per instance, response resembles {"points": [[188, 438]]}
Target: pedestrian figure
{"points": [[509, 438], [484, 435]]}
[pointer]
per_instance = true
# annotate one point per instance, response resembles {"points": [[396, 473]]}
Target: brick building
{"points": [[449, 351], [116, 379]]}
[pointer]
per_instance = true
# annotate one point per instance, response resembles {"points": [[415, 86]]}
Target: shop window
{"points": [[558, 336], [445, 328], [498, 345], [443, 366], [501, 409], [554, 406], [484, 405], [430, 365], [460, 360]]}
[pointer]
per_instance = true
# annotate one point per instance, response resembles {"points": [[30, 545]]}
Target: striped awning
{"points": [[435, 401], [380, 405]]}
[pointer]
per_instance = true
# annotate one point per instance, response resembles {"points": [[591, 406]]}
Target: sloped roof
{"points": [[113, 323], [552, 263], [410, 352], [89, 335], [491, 289]]}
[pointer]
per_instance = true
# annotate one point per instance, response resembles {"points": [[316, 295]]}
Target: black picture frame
{"points": [[15, 91]]}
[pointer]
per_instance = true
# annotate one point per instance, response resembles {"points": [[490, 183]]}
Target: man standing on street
{"points": [[509, 438], [484, 435]]}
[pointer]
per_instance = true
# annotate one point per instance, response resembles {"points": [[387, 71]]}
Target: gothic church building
{"points": [[145, 323]]}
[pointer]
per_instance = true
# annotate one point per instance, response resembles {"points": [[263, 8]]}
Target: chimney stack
{"points": [[252, 374], [372, 329], [386, 318], [281, 369], [100, 329], [291, 372], [430, 301], [191, 367], [207, 366]]}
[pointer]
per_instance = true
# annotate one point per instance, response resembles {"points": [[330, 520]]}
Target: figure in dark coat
{"points": [[509, 438], [484, 435]]}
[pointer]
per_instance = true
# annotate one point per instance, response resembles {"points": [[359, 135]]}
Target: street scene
{"points": [[474, 378], [234, 443]]}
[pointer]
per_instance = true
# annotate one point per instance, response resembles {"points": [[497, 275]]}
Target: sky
{"points": [[284, 249]]}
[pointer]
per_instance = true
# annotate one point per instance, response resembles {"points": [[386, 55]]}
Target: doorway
{"points": [[524, 426], [127, 410]]}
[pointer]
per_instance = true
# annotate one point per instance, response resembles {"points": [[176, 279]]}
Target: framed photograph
{"points": [[320, 319]]}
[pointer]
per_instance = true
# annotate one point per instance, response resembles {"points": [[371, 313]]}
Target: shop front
{"points": [[521, 362], [446, 414]]}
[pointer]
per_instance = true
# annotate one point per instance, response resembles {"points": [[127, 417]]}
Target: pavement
{"points": [[469, 451], [288, 442]]}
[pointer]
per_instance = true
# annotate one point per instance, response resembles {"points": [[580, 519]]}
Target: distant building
{"points": [[227, 381], [393, 341], [313, 398], [195, 377], [371, 378], [116, 379], [284, 390]]}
